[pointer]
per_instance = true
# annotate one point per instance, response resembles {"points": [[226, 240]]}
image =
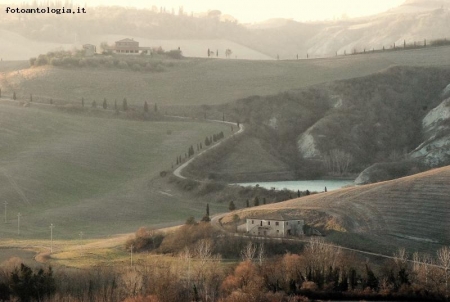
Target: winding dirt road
{"points": [[177, 171]]}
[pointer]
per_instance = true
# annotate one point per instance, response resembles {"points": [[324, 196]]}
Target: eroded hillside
{"points": [[343, 127]]}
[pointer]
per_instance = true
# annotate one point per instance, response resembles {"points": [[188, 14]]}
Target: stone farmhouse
{"points": [[275, 225], [129, 47]]}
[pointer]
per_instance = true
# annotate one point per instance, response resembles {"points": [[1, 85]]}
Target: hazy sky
{"points": [[259, 10]]}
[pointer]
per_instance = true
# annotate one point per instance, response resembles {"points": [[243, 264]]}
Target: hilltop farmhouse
{"points": [[129, 46], [274, 225]]}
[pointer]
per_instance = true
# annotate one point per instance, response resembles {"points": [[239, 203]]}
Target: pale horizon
{"points": [[252, 11]]}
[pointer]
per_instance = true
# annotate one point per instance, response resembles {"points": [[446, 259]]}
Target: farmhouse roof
{"points": [[126, 40], [274, 216]]}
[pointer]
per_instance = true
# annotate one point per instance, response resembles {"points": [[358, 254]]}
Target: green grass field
{"points": [[202, 81], [89, 174]]}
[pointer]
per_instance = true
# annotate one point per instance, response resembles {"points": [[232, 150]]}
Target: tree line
{"points": [[209, 140], [197, 273], [403, 46]]}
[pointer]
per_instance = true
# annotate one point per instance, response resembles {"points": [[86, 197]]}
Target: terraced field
{"points": [[413, 211]]}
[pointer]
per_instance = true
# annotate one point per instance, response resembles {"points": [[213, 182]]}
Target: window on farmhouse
{"points": [[268, 223], [253, 222], [277, 223]]}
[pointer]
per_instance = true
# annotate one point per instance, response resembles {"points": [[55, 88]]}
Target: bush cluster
{"points": [[72, 59]]}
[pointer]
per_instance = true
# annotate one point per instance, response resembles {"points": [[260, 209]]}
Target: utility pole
{"points": [[81, 241], [131, 256], [18, 223], [51, 237], [6, 203]]}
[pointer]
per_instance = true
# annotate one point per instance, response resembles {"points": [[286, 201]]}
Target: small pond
{"points": [[302, 185]]}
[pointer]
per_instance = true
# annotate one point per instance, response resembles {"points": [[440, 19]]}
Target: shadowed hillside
{"points": [[340, 128], [88, 173], [413, 211]]}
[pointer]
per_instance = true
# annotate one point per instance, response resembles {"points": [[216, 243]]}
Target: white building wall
{"points": [[262, 227]]}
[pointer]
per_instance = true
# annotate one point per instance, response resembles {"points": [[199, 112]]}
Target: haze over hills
{"points": [[412, 21]]}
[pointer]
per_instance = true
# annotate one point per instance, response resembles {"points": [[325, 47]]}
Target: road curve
{"points": [[177, 171]]}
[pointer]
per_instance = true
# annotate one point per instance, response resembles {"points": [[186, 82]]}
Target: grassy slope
{"points": [[90, 174], [202, 81], [410, 212]]}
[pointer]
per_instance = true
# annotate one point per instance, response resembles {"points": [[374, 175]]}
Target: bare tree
{"points": [[320, 256], [207, 270], [132, 283], [401, 258], [338, 161], [443, 258], [421, 267], [249, 252], [261, 254]]}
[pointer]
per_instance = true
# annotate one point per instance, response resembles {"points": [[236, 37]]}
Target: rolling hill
{"points": [[202, 81], [85, 172], [413, 212]]}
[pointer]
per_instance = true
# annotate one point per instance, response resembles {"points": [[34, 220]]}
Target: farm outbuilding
{"points": [[275, 225]]}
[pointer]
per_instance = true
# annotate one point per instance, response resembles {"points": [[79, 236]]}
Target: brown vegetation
{"points": [[320, 271]]}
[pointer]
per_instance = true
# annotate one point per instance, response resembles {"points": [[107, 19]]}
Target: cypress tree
{"points": [[124, 105], [231, 207], [207, 209], [51, 101], [206, 218], [256, 201], [371, 279], [247, 203], [298, 193], [145, 106], [94, 104]]}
